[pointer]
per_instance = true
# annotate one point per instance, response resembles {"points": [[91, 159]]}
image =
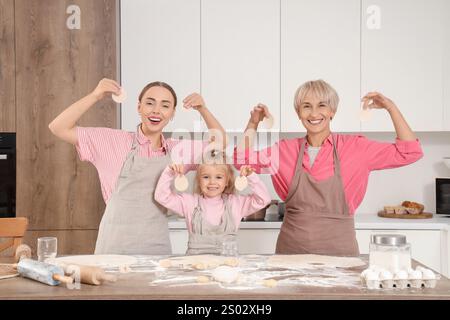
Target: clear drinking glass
{"points": [[47, 247]]}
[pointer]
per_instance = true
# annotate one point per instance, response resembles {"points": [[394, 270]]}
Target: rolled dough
{"points": [[311, 261], [225, 274]]}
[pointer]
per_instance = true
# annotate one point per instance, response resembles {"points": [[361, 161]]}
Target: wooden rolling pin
{"points": [[89, 274]]}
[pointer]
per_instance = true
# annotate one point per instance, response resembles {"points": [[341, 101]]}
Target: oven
{"points": [[7, 175], [443, 195]]}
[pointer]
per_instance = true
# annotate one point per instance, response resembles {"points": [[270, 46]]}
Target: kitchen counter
{"points": [[362, 221], [141, 285]]}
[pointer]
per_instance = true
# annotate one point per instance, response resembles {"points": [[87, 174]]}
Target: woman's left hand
{"points": [[194, 101], [375, 100], [246, 171]]}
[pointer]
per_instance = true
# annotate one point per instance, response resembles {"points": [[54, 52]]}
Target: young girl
{"points": [[214, 210], [129, 164]]}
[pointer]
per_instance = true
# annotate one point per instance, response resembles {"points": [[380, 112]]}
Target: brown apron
{"points": [[317, 218]]}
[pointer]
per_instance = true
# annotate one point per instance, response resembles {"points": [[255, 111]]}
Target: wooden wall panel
{"points": [[7, 68], [55, 67]]}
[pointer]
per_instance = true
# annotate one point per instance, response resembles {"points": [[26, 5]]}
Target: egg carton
{"points": [[375, 278]]}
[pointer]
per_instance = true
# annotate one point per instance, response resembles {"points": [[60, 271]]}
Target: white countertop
{"points": [[362, 221]]}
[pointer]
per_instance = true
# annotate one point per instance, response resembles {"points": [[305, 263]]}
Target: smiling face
{"points": [[213, 179], [157, 107], [314, 113]]}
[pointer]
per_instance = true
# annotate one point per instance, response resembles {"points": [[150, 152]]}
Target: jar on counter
{"points": [[390, 251]]}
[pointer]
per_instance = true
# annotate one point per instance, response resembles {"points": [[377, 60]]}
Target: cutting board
{"points": [[423, 215]]}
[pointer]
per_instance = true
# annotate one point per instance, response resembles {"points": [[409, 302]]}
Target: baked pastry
{"points": [[413, 207]]}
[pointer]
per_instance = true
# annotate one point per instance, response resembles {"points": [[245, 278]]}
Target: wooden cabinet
{"points": [[160, 41], [321, 40], [7, 68], [55, 66], [402, 57], [240, 59]]}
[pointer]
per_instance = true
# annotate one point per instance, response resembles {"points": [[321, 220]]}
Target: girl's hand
{"points": [[106, 86], [258, 113], [246, 171], [177, 168], [194, 101], [376, 100]]}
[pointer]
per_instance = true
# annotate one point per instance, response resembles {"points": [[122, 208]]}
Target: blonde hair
{"points": [[216, 159], [320, 89]]}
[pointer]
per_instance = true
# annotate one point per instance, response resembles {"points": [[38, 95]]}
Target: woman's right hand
{"points": [[104, 87], [177, 168], [258, 114]]}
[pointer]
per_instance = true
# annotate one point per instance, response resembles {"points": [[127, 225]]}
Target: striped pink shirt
{"points": [[212, 208], [358, 157], [107, 149]]}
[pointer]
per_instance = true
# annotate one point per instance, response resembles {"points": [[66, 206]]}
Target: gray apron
{"points": [[317, 218], [133, 222], [206, 238]]}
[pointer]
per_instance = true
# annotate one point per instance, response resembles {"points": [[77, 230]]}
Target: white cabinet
{"points": [[250, 241], [160, 40], [402, 57], [257, 241], [447, 66], [425, 245], [240, 61], [179, 240], [321, 40]]}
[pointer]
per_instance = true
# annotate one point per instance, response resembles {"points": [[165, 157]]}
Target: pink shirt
{"points": [[107, 149], [212, 208], [358, 156]]}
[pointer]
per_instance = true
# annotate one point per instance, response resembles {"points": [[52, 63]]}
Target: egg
{"points": [[401, 275], [428, 274], [385, 275], [415, 274], [372, 275]]}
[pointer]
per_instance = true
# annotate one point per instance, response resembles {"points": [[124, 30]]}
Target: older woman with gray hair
{"points": [[323, 176]]}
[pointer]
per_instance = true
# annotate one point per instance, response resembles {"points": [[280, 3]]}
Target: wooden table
{"points": [[138, 286]]}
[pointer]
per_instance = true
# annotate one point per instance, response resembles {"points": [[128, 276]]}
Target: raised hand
{"points": [[104, 87], [194, 101], [375, 100], [258, 113], [246, 171], [177, 168]]}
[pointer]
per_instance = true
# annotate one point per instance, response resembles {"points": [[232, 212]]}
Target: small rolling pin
{"points": [[42, 272], [89, 274]]}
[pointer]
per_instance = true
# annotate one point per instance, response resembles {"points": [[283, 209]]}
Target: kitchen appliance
{"points": [[7, 175], [443, 196]]}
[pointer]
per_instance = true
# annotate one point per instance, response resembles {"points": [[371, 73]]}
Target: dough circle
{"points": [[240, 183], [121, 97], [225, 274], [268, 122], [181, 183]]}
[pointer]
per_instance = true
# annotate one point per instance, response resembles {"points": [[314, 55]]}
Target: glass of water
{"points": [[47, 248], [229, 246]]}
